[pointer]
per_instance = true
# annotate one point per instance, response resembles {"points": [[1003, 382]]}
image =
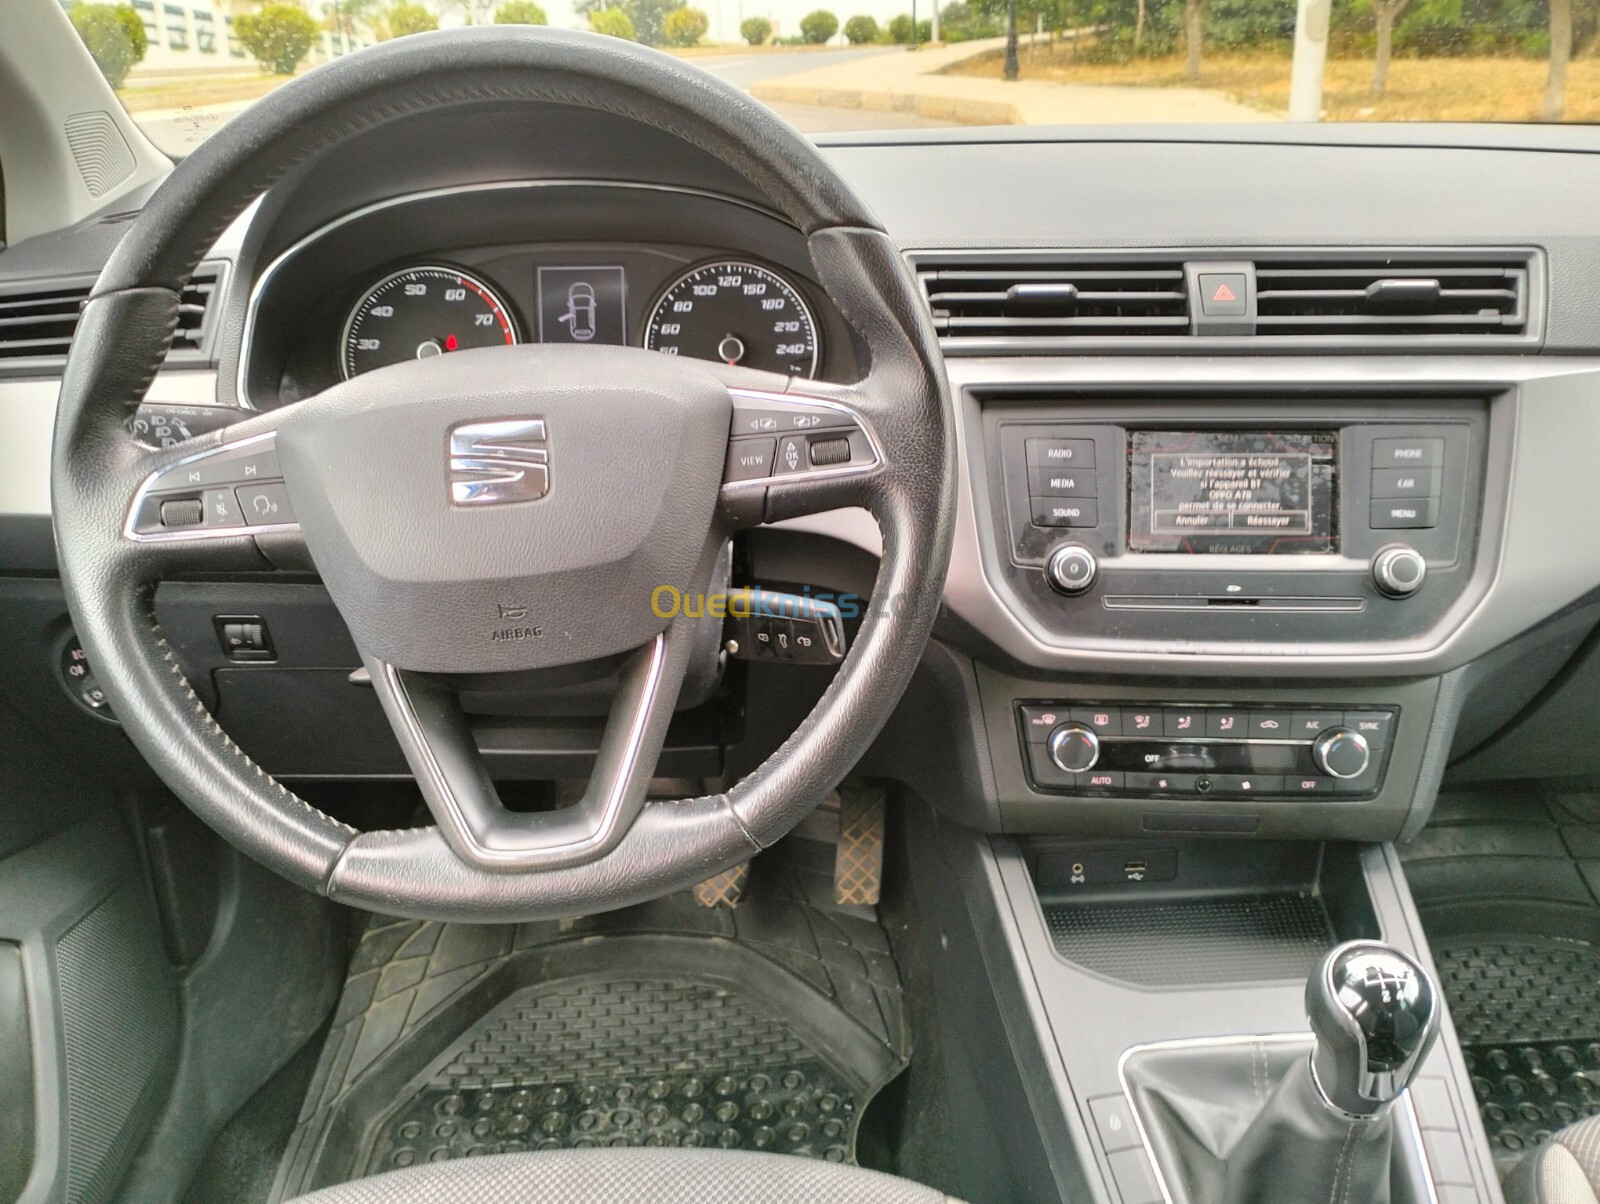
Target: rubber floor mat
{"points": [[627, 1062], [769, 1026], [1527, 1009]]}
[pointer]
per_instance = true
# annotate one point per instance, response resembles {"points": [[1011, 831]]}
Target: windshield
{"points": [[183, 67]]}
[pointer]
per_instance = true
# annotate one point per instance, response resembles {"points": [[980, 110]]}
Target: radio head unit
{"points": [[1252, 492]]}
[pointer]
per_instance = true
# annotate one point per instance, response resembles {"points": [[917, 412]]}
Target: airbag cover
{"points": [[635, 444]]}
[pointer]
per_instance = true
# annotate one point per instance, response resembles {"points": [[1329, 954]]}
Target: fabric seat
{"points": [[631, 1176], [1565, 1170]]}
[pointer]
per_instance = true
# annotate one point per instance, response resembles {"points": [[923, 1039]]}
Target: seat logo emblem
{"points": [[503, 461]]}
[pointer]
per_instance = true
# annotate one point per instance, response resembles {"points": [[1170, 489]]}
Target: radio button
{"points": [[1405, 482], [1232, 725], [1066, 512], [1063, 482], [1308, 725], [1271, 725], [1407, 453], [1039, 722], [1178, 721], [1060, 453], [1141, 721], [1403, 514], [1374, 726], [1105, 721]]}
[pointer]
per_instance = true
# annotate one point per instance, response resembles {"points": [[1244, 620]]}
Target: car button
{"points": [[1233, 725], [1308, 725], [1106, 721], [1183, 721], [1373, 726], [265, 505]]}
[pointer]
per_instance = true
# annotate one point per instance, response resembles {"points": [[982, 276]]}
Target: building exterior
{"points": [[191, 35]]}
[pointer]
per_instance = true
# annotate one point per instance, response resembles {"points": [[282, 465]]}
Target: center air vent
{"points": [[38, 320], [1392, 297], [1055, 300]]}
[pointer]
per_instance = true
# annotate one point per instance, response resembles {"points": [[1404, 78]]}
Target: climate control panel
{"points": [[1209, 749]]}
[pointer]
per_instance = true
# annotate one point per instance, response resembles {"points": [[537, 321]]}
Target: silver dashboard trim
{"points": [[263, 281]]}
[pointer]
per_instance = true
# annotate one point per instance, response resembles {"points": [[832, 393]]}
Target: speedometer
{"points": [[738, 313], [420, 312]]}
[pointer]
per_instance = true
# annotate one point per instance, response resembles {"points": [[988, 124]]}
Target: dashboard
{"points": [[1159, 516]]}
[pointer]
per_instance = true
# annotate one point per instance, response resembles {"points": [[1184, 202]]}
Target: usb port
{"points": [[1131, 868]]}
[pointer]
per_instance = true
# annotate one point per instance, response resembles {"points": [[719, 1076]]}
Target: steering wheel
{"points": [[508, 510]]}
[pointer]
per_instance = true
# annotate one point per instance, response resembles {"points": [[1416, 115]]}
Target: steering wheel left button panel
{"points": [[227, 491]]}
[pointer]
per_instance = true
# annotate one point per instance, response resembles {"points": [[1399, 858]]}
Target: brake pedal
{"points": [[858, 857], [724, 889]]}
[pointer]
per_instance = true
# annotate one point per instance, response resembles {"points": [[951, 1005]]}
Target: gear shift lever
{"points": [[1375, 1013], [1327, 1132]]}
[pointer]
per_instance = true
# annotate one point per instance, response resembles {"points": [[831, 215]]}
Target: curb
{"points": [[959, 109]]}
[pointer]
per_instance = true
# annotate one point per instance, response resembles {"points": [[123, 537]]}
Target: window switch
{"points": [[245, 638]]}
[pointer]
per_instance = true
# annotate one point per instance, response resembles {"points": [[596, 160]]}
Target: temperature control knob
{"points": [[1341, 753], [1398, 570], [1074, 747], [1071, 569]]}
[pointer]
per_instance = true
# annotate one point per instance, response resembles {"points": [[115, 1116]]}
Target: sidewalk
{"points": [[909, 83]]}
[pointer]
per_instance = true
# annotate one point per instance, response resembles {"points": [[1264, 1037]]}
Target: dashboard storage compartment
{"points": [[1200, 913]]}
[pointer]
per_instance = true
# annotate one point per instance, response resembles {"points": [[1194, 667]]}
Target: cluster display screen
{"points": [[1269, 493]]}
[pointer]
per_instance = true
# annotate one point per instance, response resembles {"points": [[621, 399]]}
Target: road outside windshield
{"points": [[184, 67]]}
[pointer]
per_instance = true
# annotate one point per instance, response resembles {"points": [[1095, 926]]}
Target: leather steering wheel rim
{"points": [[110, 582]]}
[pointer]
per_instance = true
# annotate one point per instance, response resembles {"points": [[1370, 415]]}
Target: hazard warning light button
{"points": [[1224, 294]]}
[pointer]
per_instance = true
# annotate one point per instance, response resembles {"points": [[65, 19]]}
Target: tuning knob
{"points": [[1071, 569], [1341, 753], [1074, 747], [1398, 570]]}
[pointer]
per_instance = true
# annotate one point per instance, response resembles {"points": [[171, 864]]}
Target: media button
{"points": [[1062, 482], [1104, 721], [1270, 725], [1232, 725], [1407, 453], [1060, 453]]}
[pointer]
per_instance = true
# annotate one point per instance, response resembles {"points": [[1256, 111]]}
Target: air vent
{"points": [[37, 322], [194, 309], [39, 325], [1392, 298], [1041, 299]]}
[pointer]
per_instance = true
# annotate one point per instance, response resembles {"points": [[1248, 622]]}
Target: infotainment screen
{"points": [[1268, 493]]}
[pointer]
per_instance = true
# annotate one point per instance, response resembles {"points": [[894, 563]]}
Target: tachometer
{"points": [[423, 311], [737, 313]]}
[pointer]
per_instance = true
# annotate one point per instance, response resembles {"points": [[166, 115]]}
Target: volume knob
{"points": [[1398, 570], [1071, 569]]}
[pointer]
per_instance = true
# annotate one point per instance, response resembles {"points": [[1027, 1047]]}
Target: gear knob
{"points": [[1375, 1013]]}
